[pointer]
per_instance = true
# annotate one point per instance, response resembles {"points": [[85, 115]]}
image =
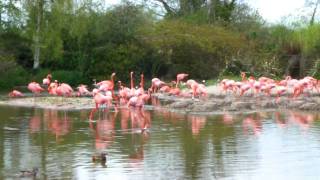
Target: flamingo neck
{"points": [[131, 81], [142, 81], [112, 79]]}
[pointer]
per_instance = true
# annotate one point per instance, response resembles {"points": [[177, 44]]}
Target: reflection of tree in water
{"points": [[12, 141], [213, 141], [223, 139]]}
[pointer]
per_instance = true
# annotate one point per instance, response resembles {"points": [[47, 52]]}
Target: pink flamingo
{"points": [[265, 80], [35, 88], [47, 80], [124, 93], [100, 99], [139, 101], [227, 85], [194, 87], [15, 93], [156, 84], [52, 88], [175, 91], [140, 91], [244, 88], [201, 90], [107, 85], [136, 101], [165, 89], [280, 90], [82, 90], [132, 89], [267, 88], [180, 77], [64, 90]]}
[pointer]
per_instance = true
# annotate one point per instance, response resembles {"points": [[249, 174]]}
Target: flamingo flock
{"points": [[104, 94], [136, 96], [268, 86]]}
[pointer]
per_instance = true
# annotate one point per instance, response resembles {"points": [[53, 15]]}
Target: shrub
{"points": [[12, 76]]}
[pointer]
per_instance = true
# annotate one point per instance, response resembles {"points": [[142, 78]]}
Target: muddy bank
{"points": [[219, 102], [59, 103]]}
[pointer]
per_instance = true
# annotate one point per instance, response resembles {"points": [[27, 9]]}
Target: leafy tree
{"points": [[199, 50]]}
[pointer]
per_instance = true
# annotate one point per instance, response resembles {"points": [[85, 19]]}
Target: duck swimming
{"points": [[100, 158], [28, 173]]}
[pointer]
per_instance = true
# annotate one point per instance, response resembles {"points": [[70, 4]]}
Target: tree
{"points": [[201, 50]]}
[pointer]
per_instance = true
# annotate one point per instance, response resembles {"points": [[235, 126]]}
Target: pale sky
{"points": [[112, 2], [270, 10], [273, 10]]}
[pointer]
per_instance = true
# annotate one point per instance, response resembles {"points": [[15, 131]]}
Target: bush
{"points": [[13, 76], [315, 70], [73, 78]]}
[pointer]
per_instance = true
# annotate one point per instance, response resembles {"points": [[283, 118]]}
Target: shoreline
{"points": [[51, 102], [217, 102]]}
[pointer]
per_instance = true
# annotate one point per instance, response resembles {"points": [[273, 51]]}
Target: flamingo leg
{"points": [[93, 111]]}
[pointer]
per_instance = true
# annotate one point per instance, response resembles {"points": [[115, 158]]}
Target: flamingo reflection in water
{"points": [[58, 125], [280, 120], [227, 119], [104, 130], [302, 119], [124, 118], [254, 123], [140, 119], [197, 123], [35, 122]]}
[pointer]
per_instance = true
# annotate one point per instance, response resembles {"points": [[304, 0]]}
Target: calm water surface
{"points": [[266, 145]]}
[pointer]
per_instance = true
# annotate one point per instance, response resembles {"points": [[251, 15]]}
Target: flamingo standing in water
{"points": [[132, 89], [140, 100], [15, 93], [140, 91], [124, 93], [101, 99], [107, 85]]}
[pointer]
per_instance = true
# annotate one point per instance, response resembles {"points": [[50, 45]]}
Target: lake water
{"points": [[265, 145]]}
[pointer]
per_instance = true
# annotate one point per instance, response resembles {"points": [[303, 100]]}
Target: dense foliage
{"points": [[78, 41]]}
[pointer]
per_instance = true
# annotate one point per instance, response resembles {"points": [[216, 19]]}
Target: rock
{"points": [[205, 107], [295, 104], [225, 102], [181, 104], [309, 106], [241, 105], [268, 104], [316, 100]]}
